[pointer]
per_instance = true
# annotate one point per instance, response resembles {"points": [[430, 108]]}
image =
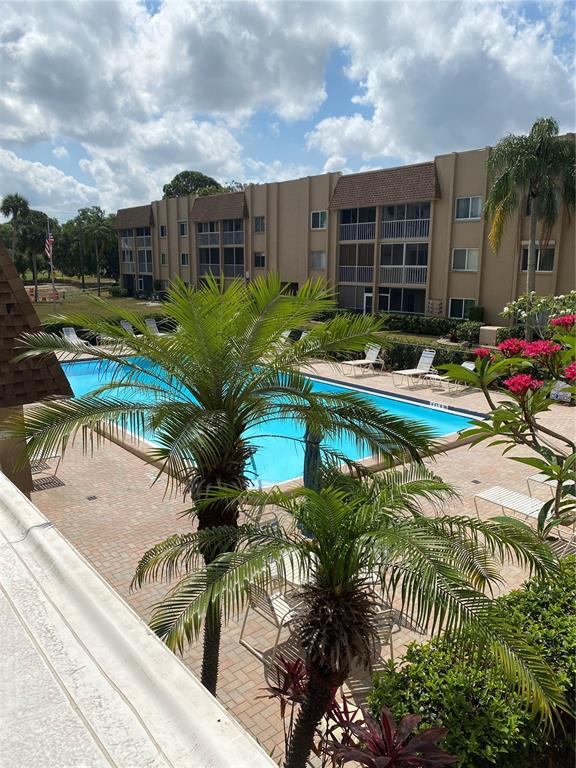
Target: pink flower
{"points": [[522, 383], [542, 348], [482, 352], [512, 347], [570, 371], [565, 321]]}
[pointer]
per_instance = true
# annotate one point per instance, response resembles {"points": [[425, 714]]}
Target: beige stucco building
{"points": [[407, 239]]}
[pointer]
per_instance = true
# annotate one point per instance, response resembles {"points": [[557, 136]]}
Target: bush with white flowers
{"points": [[541, 308]]}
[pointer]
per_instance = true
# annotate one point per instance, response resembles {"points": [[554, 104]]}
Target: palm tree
{"points": [[539, 167], [99, 231], [18, 208], [362, 537], [202, 389]]}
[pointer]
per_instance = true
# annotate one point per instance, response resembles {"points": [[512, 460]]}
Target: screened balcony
{"points": [[233, 232], [405, 221], [403, 275], [358, 224]]}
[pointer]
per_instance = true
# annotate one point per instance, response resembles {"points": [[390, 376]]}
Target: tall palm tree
{"points": [[224, 371], [99, 230], [17, 207], [361, 538], [539, 167]]}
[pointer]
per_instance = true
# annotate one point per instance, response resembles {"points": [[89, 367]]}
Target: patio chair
{"points": [[511, 501], [442, 379], [153, 326], [273, 608], [69, 333], [370, 358], [423, 367], [359, 681], [127, 326]]}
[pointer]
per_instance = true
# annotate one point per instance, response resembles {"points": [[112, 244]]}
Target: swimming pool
{"points": [[279, 456]]}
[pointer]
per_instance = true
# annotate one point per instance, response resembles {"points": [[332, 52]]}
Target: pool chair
{"points": [[422, 368], [370, 358], [273, 608], [442, 379], [153, 327], [127, 326], [510, 501], [70, 334]]}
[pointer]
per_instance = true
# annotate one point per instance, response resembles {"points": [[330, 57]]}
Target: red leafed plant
{"points": [[383, 744]]}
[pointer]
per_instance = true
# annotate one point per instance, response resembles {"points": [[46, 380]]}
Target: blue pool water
{"points": [[280, 454]]}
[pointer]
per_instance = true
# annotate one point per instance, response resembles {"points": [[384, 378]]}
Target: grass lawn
{"points": [[76, 301]]}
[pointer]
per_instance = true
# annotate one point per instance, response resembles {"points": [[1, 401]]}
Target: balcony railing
{"points": [[365, 231], [233, 270], [356, 274], [233, 238], [128, 267], [404, 229], [144, 242], [209, 269], [208, 238], [403, 275], [126, 243]]}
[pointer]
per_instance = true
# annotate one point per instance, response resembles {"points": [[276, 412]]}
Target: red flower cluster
{"points": [[565, 321], [570, 371], [482, 352], [512, 347], [542, 348], [522, 383]]}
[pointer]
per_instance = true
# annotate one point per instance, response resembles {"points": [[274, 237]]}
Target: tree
{"points": [[18, 208], [363, 538], [101, 234], [32, 235], [204, 388], [539, 167], [190, 183]]}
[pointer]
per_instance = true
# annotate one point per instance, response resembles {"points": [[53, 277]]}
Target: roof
{"points": [[86, 682], [230, 205], [408, 183], [129, 218], [29, 380]]}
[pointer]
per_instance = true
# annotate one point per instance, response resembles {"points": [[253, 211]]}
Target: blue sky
{"points": [[103, 102]]}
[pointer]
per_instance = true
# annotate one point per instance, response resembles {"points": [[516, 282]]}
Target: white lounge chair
{"points": [[422, 368], [153, 327], [370, 358], [273, 608], [127, 326], [69, 333], [510, 500], [442, 379], [543, 479]]}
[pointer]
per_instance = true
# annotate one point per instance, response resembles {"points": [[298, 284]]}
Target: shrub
{"points": [[487, 722], [469, 331], [117, 292], [403, 355], [511, 332], [476, 313], [426, 325]]}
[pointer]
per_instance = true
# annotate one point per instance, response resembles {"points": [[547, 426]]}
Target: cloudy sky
{"points": [[103, 102]]}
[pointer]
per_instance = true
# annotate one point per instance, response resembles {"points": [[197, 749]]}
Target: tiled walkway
{"points": [[111, 511]]}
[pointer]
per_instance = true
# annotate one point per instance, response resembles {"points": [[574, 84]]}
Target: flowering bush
{"points": [[564, 321], [570, 372], [522, 383], [512, 347], [541, 348], [482, 352], [541, 308]]}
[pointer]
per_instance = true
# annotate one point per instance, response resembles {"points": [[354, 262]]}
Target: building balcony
{"points": [[208, 269], [208, 238], [233, 270], [127, 267], [144, 242], [233, 238], [403, 275], [356, 274], [405, 229], [363, 231], [126, 243]]}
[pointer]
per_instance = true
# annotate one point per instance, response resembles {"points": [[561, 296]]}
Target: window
{"points": [[410, 300], [544, 259], [416, 254], [208, 261], [259, 260], [127, 255], [410, 254], [318, 219], [184, 260], [259, 223], [391, 254], [145, 260], [465, 259], [140, 283], [459, 308], [162, 230], [317, 259], [233, 225], [143, 232], [468, 207], [207, 226], [163, 259], [233, 262], [182, 228]]}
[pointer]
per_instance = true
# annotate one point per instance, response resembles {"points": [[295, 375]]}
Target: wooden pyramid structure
{"points": [[29, 380]]}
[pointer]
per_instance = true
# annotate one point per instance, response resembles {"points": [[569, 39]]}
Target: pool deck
{"points": [[108, 507]]}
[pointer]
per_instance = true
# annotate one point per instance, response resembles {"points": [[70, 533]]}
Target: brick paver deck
{"points": [[111, 511]]}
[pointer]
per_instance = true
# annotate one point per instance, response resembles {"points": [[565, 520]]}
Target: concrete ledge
{"points": [[83, 681]]}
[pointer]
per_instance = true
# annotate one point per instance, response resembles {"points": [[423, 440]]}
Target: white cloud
{"points": [[60, 152]]}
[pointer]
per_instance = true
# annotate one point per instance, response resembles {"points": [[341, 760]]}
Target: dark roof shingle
{"points": [[129, 218], [409, 183], [28, 380], [230, 205]]}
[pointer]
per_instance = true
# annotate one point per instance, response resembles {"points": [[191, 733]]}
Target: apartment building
{"points": [[409, 239]]}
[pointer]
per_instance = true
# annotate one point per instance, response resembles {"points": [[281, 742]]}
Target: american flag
{"points": [[49, 242]]}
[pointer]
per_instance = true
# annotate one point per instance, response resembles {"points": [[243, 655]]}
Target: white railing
{"points": [[126, 243], [208, 238], [365, 231], [403, 275], [356, 274], [233, 270], [209, 269], [128, 267], [144, 242], [404, 229], [233, 238]]}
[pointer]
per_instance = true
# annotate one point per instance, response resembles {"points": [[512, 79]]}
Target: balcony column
{"points": [[376, 275]]}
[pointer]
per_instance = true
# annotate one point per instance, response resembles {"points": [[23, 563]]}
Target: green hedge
{"points": [[510, 332], [469, 331], [487, 723], [426, 325], [403, 355]]}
